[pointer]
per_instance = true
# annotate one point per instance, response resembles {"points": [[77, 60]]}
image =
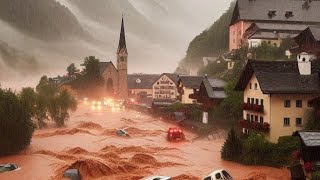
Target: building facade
{"points": [[186, 86], [141, 86], [276, 96], [165, 87], [270, 33], [246, 12]]}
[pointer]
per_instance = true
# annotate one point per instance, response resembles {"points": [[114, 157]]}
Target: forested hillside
{"points": [[44, 19], [211, 42], [16, 59], [109, 13]]}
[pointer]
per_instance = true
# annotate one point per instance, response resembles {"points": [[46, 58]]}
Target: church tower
{"points": [[122, 65]]}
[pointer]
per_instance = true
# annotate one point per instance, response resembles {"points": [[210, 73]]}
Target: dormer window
{"points": [[306, 4], [272, 13], [289, 14]]}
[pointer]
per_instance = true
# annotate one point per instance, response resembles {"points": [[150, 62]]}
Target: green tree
{"points": [[45, 88], [91, 66], [90, 83], [232, 104], [232, 147], [16, 127], [214, 68], [71, 69], [41, 109], [257, 150], [50, 100], [36, 104], [28, 98], [59, 106]]}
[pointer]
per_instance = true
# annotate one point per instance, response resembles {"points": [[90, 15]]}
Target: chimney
{"points": [[304, 63]]}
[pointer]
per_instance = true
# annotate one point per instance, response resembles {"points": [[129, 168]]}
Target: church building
{"points": [[116, 77]]}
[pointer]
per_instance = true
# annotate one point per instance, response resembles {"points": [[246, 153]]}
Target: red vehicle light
{"points": [[175, 130], [171, 131]]}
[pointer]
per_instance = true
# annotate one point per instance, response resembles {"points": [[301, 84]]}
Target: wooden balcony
{"points": [[254, 125], [253, 107]]}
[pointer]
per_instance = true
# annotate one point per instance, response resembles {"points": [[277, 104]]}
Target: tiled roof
{"points": [[214, 88], [272, 35], [142, 81], [310, 138], [173, 77], [315, 32], [216, 83], [192, 82], [280, 77], [280, 26], [104, 65], [257, 10]]}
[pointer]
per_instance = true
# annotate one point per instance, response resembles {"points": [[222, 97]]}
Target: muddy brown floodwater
{"points": [[88, 143]]}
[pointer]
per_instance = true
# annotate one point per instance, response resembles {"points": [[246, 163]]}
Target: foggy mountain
{"points": [[48, 35]]}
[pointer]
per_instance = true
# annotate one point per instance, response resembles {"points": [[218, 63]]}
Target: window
{"points": [[261, 102], [226, 175], [299, 103], [250, 85], [234, 32], [251, 119], [256, 118], [298, 121], [286, 121], [287, 103], [252, 100], [255, 86], [240, 32], [234, 41], [218, 176], [257, 101], [309, 104], [248, 117], [261, 119], [248, 100], [158, 83]]}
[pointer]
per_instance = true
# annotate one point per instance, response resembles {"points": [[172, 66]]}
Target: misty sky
{"points": [[158, 33]]}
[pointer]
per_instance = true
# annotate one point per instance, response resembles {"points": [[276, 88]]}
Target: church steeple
{"points": [[122, 65], [122, 41]]}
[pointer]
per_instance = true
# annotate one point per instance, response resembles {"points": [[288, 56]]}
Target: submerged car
{"points": [[157, 178], [8, 167], [219, 175], [123, 133], [175, 134], [72, 174]]}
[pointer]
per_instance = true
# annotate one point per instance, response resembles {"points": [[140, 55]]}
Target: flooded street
{"points": [[90, 144]]}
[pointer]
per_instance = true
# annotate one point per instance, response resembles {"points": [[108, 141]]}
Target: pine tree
{"points": [[232, 147]]}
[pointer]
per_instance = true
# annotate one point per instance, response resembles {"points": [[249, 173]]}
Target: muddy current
{"points": [[89, 143]]}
